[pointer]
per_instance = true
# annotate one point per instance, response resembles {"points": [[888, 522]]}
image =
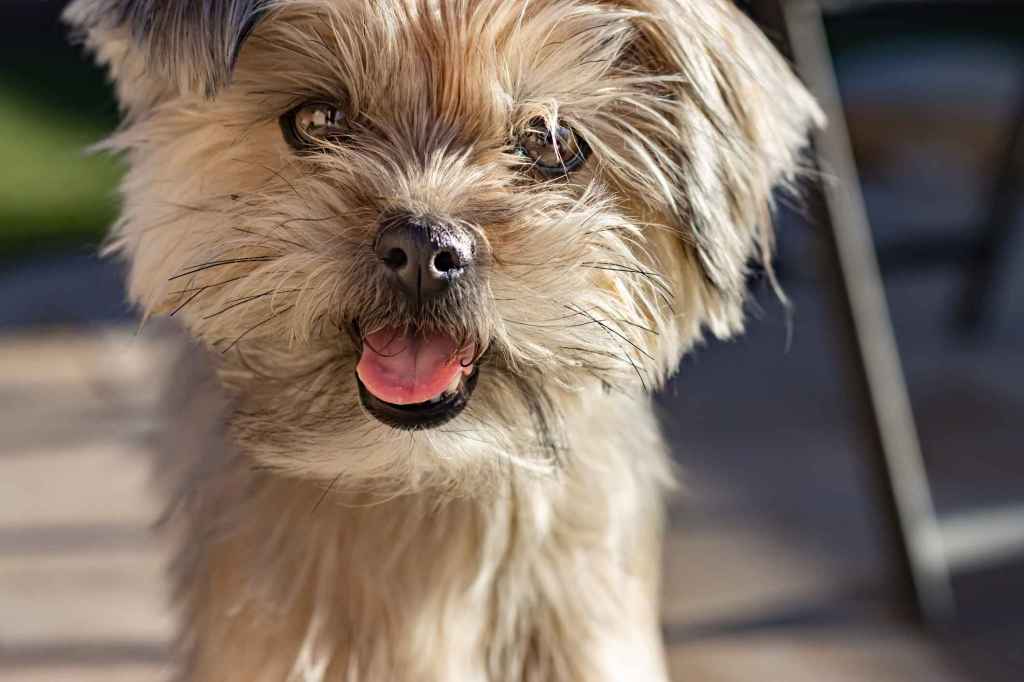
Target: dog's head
{"points": [[422, 231]]}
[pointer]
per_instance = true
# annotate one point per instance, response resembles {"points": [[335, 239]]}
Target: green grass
{"points": [[52, 192]]}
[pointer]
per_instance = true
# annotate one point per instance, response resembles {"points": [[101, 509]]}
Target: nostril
{"points": [[395, 258], [420, 257], [445, 261]]}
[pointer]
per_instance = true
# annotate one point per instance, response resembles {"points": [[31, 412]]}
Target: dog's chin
{"points": [[428, 414]]}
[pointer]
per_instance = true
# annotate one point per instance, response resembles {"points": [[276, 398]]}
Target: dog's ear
{"points": [[736, 122], [157, 48]]}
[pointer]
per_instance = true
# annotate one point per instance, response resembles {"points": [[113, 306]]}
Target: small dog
{"points": [[441, 251]]}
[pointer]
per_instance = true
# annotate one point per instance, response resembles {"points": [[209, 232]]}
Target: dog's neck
{"points": [[433, 572], [371, 581]]}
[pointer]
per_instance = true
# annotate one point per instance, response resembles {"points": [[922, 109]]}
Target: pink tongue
{"points": [[403, 369]]}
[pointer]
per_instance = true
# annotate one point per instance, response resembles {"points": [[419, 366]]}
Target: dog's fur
{"points": [[521, 540]]}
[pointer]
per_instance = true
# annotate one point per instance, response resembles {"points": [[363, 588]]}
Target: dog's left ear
{"points": [[738, 121], [159, 48]]}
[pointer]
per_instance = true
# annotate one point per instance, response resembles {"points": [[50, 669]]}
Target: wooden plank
{"points": [[80, 487], [72, 359], [115, 672], [713, 569], [848, 654], [107, 595]]}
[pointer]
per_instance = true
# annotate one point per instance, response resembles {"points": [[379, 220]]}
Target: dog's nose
{"points": [[424, 257]]}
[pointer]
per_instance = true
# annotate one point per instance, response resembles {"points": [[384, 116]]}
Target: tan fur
{"points": [[519, 542]]}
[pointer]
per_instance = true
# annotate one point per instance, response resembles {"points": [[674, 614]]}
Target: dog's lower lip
{"points": [[419, 416]]}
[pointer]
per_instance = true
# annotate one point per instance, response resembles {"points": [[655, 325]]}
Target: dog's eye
{"points": [[553, 152], [313, 123]]}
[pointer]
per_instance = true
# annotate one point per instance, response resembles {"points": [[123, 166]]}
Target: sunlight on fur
{"points": [[518, 538]]}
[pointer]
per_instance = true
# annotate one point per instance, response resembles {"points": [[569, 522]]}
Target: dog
{"points": [[438, 253]]}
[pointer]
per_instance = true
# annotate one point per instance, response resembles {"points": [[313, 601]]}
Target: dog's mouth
{"points": [[415, 380]]}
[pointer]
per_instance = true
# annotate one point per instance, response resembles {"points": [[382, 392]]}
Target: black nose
{"points": [[425, 257]]}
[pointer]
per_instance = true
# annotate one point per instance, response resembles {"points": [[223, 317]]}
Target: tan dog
{"points": [[441, 251]]}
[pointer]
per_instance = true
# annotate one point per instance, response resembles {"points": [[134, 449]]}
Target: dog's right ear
{"points": [[160, 48], [729, 125]]}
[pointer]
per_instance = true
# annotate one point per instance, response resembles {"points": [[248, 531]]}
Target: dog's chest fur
{"points": [[286, 580]]}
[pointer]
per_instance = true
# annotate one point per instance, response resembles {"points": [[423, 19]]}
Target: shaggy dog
{"points": [[441, 251]]}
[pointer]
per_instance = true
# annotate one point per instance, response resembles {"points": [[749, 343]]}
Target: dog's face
{"points": [[422, 232]]}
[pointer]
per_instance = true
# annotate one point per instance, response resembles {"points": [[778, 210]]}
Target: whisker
{"points": [[270, 237], [255, 326], [208, 286], [248, 299], [619, 267], [187, 301], [657, 281], [613, 332], [277, 174], [219, 263], [326, 491]]}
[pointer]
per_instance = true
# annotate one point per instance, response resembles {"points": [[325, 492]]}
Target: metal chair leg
{"points": [[876, 376]]}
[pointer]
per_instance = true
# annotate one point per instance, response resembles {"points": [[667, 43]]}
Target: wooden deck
{"points": [[80, 576]]}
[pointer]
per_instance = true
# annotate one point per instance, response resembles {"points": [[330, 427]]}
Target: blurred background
{"points": [[784, 558]]}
